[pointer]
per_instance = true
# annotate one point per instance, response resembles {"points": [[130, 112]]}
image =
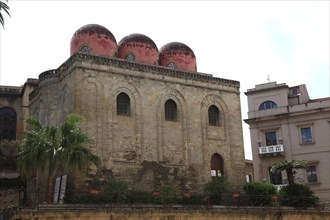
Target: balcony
{"points": [[273, 149]]}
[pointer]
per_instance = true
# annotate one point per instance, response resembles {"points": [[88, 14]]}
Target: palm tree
{"points": [[289, 168], [48, 148], [5, 7]]}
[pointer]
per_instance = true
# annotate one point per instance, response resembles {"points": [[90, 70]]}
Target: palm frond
{"points": [[5, 7]]}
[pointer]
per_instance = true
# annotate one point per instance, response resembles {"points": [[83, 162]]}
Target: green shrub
{"points": [[140, 197], [115, 191], [259, 193], [8, 154], [298, 196], [194, 199], [82, 199], [216, 189], [169, 194]]}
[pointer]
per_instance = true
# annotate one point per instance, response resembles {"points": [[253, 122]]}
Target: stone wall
{"points": [[144, 149], [221, 214]]}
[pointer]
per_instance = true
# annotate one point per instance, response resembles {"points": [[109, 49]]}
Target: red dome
{"points": [[94, 39], [178, 56], [139, 48]]}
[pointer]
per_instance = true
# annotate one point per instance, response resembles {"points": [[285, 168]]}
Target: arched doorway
{"points": [[216, 166]]}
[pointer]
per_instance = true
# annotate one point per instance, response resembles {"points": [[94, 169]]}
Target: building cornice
{"points": [[119, 63]]}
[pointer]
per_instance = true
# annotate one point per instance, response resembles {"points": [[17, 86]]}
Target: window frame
{"points": [[267, 105], [215, 119], [306, 135], [123, 107], [273, 141], [277, 176], [314, 178], [170, 111], [307, 140]]}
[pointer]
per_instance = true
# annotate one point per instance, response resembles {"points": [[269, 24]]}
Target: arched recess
{"points": [[8, 123], [217, 166], [66, 104], [172, 134], [89, 105], [211, 131], [125, 130]]}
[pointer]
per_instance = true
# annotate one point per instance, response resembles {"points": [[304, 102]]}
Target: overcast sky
{"points": [[245, 41]]}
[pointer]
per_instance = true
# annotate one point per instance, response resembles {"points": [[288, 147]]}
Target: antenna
{"points": [[268, 79]]}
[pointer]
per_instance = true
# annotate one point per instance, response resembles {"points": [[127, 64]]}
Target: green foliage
{"points": [[82, 199], [8, 154], [298, 196], [141, 198], [115, 191], [48, 148], [194, 199], [289, 167], [259, 193], [169, 194], [215, 189]]}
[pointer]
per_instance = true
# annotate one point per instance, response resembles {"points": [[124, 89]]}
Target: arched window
{"points": [[214, 116], [8, 119], [170, 110], [217, 166], [123, 104], [267, 105]]}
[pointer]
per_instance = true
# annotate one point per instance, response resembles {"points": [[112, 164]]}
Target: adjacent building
{"points": [[285, 124], [154, 118]]}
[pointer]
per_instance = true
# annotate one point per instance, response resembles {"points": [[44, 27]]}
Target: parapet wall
{"points": [[170, 214]]}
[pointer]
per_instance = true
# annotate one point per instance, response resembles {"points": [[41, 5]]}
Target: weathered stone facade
{"points": [[143, 148]]}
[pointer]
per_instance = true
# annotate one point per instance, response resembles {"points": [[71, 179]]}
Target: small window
{"points": [[8, 120], [85, 49], [311, 174], [275, 178], [171, 65], [270, 138], [170, 110], [306, 135], [267, 105], [130, 57], [214, 116], [295, 91], [123, 105]]}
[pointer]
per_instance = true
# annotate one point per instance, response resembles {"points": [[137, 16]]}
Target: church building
{"points": [[153, 117]]}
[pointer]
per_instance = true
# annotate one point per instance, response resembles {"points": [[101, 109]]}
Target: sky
{"points": [[252, 42]]}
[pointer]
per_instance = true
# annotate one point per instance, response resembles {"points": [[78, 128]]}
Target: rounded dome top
{"points": [[139, 48], [178, 56], [94, 39]]}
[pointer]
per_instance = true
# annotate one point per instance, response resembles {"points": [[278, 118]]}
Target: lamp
{"points": [[259, 143]]}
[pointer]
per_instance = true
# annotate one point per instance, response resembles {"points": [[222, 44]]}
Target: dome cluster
{"points": [[98, 40]]}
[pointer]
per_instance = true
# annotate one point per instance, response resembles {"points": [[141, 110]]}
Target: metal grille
{"points": [[170, 110], [214, 118], [123, 105]]}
